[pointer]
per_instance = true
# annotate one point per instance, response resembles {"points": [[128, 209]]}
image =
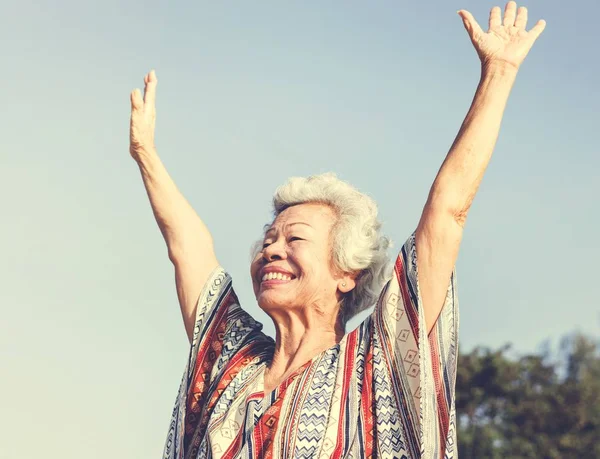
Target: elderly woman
{"points": [[387, 388]]}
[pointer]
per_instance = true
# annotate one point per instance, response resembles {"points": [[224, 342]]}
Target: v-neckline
{"points": [[283, 383], [274, 394]]}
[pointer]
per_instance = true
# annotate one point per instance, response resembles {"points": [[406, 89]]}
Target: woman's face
{"points": [[294, 269]]}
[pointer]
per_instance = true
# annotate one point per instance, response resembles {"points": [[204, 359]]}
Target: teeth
{"points": [[278, 276]]}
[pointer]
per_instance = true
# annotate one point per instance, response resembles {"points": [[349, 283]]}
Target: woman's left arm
{"points": [[501, 50]]}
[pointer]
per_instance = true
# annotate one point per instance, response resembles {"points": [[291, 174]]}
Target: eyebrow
{"points": [[291, 224]]}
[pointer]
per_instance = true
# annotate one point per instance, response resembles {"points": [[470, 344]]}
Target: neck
{"points": [[299, 336]]}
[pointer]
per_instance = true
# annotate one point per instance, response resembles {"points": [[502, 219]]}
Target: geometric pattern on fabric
{"points": [[386, 390]]}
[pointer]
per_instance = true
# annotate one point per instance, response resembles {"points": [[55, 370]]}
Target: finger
{"points": [[136, 100], [150, 89], [537, 29], [473, 28], [509, 14], [521, 20], [495, 17]]}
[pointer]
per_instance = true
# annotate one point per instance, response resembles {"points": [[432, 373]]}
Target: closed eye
{"points": [[296, 238]]}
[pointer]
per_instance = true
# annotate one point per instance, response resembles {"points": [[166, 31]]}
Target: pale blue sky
{"points": [[92, 344]]}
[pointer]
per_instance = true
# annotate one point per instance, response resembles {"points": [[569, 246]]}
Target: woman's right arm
{"points": [[189, 242]]}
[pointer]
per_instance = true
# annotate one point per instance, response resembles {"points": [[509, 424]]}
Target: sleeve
{"points": [[221, 328], [423, 367]]}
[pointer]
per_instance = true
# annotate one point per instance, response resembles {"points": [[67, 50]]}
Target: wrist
{"points": [[143, 154], [147, 160], [493, 68]]}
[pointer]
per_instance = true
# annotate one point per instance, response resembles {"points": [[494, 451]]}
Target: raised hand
{"points": [[143, 118], [507, 41]]}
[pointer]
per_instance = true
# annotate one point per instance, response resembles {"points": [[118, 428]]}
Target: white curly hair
{"points": [[357, 244]]}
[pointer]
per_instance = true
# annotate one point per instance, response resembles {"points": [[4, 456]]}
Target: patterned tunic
{"points": [[386, 390]]}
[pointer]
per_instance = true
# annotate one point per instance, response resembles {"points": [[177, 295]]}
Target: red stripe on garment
{"points": [[442, 403], [266, 428], [238, 362], [367, 405], [409, 309], [235, 446], [208, 354], [349, 364]]}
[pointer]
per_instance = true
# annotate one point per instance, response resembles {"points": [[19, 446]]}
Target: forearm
{"points": [[501, 51], [188, 240], [180, 225], [460, 175]]}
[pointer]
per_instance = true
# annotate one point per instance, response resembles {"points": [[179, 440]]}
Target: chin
{"points": [[271, 301]]}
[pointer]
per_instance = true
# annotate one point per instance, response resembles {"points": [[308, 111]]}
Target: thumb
{"points": [[471, 25], [136, 100]]}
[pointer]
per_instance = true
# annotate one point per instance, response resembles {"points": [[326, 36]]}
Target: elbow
{"points": [[190, 240], [452, 207], [175, 254], [461, 210], [452, 198], [460, 217], [189, 250]]}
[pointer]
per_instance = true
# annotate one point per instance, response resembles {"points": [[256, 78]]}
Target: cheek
{"points": [[320, 264], [254, 268], [315, 268]]}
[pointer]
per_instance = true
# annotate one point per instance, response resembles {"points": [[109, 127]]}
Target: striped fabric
{"points": [[386, 390]]}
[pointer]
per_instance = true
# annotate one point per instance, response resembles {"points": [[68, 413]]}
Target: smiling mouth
{"points": [[268, 277]]}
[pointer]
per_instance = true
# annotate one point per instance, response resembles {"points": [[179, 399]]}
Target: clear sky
{"points": [[92, 346]]}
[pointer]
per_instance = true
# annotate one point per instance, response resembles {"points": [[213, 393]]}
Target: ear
{"points": [[347, 282]]}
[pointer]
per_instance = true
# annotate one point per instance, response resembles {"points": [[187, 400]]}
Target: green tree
{"points": [[544, 405]]}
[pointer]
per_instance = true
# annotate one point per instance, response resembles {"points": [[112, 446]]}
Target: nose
{"points": [[275, 251]]}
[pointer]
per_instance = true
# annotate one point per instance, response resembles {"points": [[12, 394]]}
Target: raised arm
{"points": [[189, 243], [501, 50]]}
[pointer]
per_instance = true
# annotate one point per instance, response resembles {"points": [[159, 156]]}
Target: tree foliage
{"points": [[544, 405]]}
